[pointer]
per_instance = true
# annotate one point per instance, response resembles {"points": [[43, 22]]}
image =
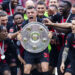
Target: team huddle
{"points": [[60, 21]]}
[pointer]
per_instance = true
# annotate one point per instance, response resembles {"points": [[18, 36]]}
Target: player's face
{"points": [[53, 2], [18, 19], [41, 10], [31, 13], [14, 2], [29, 3], [4, 20], [62, 8], [19, 9], [3, 34]]}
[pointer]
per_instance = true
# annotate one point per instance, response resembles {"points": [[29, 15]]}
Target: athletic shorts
{"points": [[34, 58], [53, 59], [71, 68], [3, 67], [11, 58]]}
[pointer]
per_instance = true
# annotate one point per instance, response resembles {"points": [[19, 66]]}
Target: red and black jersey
{"points": [[70, 43], [9, 50], [61, 36], [14, 29]]}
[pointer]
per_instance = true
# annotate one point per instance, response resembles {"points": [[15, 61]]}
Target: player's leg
{"points": [[44, 59], [29, 59]]}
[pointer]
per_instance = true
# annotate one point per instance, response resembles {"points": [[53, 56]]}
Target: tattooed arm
{"points": [[65, 52], [64, 55]]}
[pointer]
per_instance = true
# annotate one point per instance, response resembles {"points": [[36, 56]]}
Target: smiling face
{"points": [[19, 9], [14, 2], [3, 33], [41, 10], [52, 10], [64, 8], [53, 2], [4, 20], [18, 19]]}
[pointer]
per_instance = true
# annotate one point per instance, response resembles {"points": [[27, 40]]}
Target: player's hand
{"points": [[46, 21], [62, 67], [73, 26], [9, 35], [50, 34], [19, 37]]}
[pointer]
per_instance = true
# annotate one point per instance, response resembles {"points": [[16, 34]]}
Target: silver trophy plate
{"points": [[35, 37]]}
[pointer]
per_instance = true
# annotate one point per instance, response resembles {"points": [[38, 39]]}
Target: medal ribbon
{"points": [[2, 49]]}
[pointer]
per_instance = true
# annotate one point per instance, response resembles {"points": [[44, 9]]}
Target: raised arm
{"points": [[61, 25]]}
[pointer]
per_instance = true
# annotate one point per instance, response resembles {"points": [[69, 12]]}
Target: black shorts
{"points": [[53, 59], [34, 58], [11, 58], [71, 68], [4, 67]]}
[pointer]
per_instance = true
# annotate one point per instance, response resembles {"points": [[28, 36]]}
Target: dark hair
{"points": [[30, 7], [3, 13], [68, 3], [17, 13], [18, 5], [41, 3]]}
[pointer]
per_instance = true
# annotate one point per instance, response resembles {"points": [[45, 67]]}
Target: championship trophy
{"points": [[35, 37]]}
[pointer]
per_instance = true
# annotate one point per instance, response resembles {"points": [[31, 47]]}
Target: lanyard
{"points": [[67, 18], [66, 21], [2, 49]]}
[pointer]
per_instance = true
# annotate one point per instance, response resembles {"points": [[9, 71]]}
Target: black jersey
{"points": [[9, 49], [70, 43], [58, 18]]}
